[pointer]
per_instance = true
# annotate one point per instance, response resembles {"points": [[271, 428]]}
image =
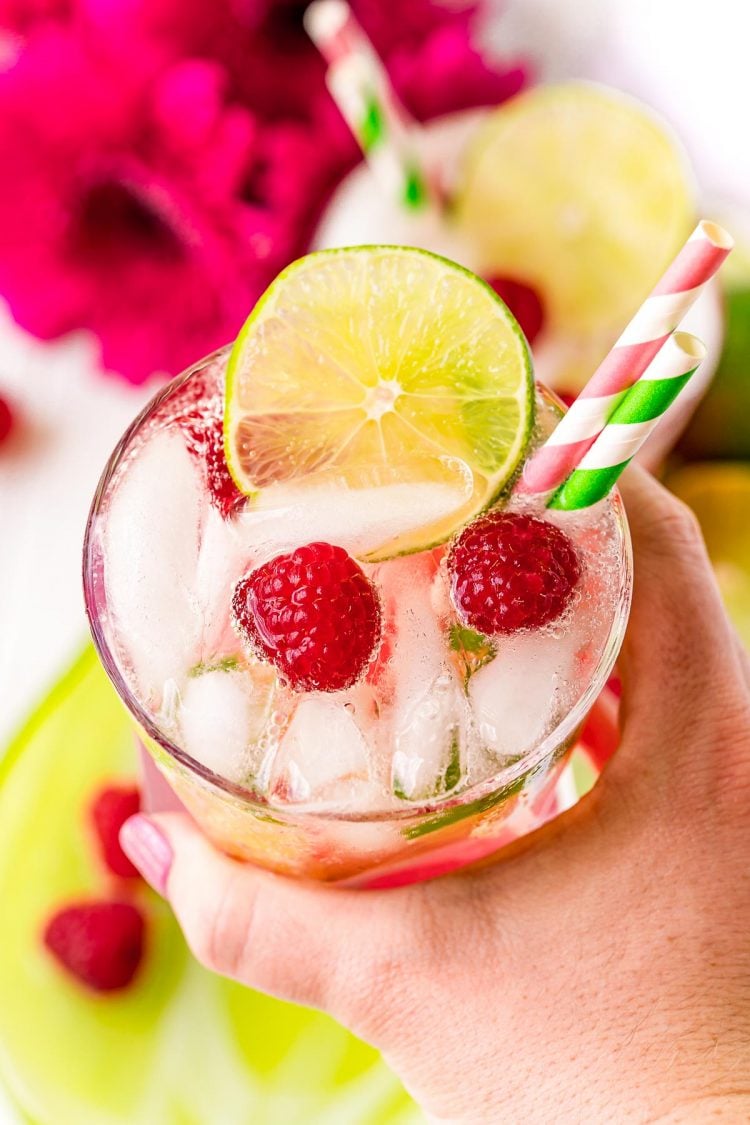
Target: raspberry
{"points": [[511, 572], [313, 613], [197, 408], [225, 495], [100, 943], [568, 397], [109, 811], [523, 301], [6, 420]]}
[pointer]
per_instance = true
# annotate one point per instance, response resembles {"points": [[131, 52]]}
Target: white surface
{"points": [[70, 417], [688, 60]]}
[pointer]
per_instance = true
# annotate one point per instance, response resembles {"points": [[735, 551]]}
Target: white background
{"points": [[689, 59]]}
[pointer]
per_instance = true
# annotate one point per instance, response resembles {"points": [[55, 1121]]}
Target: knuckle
{"points": [[680, 526], [221, 937], [200, 939]]}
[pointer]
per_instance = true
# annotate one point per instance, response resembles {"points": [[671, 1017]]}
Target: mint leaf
{"points": [[464, 639], [461, 812], [452, 774], [473, 650], [223, 664], [399, 791]]}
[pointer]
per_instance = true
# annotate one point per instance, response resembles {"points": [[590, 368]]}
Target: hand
{"points": [[600, 971]]}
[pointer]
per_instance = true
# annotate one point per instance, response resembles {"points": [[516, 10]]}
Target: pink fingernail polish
{"points": [[148, 848]]}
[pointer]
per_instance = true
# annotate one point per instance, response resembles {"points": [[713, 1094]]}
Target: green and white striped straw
{"points": [[362, 89], [629, 427]]}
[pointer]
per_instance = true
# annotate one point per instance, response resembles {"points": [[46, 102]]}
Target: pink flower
{"points": [[136, 207], [270, 63], [406, 25], [447, 72], [20, 15], [163, 159]]}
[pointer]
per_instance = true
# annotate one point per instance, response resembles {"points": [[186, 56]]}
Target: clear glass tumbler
{"points": [[387, 847]]}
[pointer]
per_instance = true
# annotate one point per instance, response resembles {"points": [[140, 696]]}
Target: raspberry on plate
{"points": [[6, 419], [511, 571], [313, 613], [99, 943], [111, 807]]}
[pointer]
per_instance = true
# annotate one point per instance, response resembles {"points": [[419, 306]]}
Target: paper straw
{"points": [[361, 88], [641, 341], [629, 427]]}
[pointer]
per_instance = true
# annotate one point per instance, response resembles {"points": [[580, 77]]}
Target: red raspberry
{"points": [[197, 408], [568, 397], [109, 811], [225, 495], [313, 613], [524, 302], [100, 943], [511, 572], [7, 419]]}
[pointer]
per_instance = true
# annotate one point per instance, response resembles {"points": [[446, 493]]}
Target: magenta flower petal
{"points": [[165, 158], [122, 218], [447, 72], [21, 15], [407, 25], [188, 101]]}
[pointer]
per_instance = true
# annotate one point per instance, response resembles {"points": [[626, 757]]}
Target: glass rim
{"points": [[505, 777]]}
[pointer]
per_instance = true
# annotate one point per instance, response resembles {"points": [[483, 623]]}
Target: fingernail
{"points": [[148, 848]]}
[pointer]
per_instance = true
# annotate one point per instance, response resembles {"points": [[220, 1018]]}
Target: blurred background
{"points": [[161, 161]]}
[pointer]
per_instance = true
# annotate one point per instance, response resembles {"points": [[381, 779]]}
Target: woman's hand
{"points": [[599, 971]]}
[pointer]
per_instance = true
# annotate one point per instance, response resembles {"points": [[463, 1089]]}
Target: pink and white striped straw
{"points": [[362, 89], [648, 331]]}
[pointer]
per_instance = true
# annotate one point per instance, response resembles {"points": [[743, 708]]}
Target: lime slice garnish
{"points": [[378, 369], [719, 494], [582, 193]]}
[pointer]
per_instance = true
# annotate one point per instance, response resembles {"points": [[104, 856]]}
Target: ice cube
{"points": [[420, 651], [519, 695], [360, 520], [221, 717], [222, 560], [150, 552], [427, 716], [322, 760], [428, 737]]}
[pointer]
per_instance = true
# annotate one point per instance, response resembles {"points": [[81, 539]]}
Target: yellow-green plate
{"points": [[180, 1047]]}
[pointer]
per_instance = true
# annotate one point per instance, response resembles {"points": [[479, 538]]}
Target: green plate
{"points": [[719, 428], [180, 1046]]}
